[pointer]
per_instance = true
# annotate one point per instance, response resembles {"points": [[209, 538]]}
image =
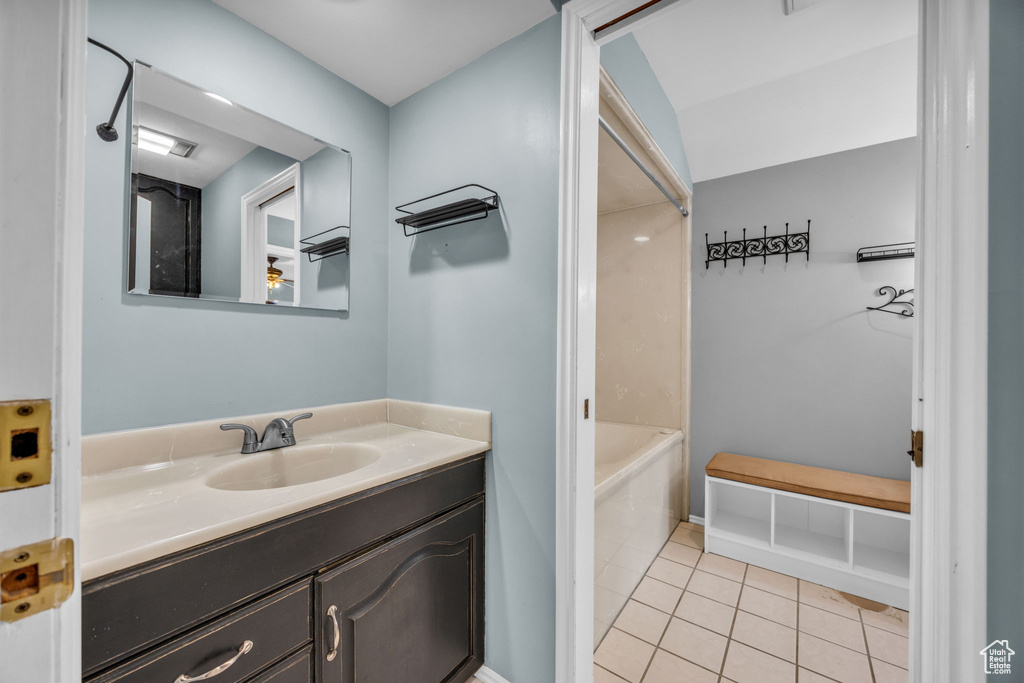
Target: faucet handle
{"points": [[292, 421], [250, 434]]}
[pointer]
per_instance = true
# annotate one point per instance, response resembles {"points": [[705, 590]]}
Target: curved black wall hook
{"points": [[106, 131]]}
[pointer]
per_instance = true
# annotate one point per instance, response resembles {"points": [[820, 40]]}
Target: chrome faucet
{"points": [[278, 434]]}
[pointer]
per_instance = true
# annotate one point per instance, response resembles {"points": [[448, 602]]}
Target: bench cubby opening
{"points": [[740, 512], [818, 530], [881, 545]]}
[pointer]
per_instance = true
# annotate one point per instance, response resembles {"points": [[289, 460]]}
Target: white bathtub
{"points": [[639, 482]]}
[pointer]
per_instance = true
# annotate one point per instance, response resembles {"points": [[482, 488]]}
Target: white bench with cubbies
{"points": [[859, 549]]}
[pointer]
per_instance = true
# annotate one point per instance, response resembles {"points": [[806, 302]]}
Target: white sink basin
{"points": [[292, 466]]}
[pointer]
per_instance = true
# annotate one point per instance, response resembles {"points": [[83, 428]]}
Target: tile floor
{"points": [[700, 618]]}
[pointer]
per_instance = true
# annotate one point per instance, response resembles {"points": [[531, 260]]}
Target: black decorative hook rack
{"points": [[897, 303], [759, 247]]}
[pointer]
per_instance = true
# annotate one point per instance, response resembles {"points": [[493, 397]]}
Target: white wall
{"points": [[787, 363]]}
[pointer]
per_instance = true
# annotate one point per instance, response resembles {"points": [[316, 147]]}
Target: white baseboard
{"points": [[694, 519], [487, 675]]}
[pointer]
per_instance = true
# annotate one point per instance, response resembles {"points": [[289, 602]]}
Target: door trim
{"points": [[70, 277], [950, 498], [254, 233]]}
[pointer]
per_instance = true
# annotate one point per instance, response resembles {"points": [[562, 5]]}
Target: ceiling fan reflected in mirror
{"points": [[274, 279]]}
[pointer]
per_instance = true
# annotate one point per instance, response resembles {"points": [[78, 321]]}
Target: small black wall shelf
{"points": [[886, 252], [451, 213], [326, 248], [759, 247], [900, 302]]}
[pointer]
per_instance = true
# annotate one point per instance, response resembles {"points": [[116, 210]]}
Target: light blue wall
{"points": [[326, 177], [626, 63], [281, 231], [473, 311], [1006, 327], [150, 361], [222, 233]]}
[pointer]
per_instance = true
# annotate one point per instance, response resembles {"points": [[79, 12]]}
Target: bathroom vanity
{"points": [[375, 574]]}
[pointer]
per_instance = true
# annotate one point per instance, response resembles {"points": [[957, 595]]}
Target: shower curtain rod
{"points": [[636, 160]]}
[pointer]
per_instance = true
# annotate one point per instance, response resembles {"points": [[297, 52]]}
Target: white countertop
{"points": [[137, 506]]}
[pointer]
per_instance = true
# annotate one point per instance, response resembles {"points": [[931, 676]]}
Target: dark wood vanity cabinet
{"points": [[383, 586], [405, 612]]}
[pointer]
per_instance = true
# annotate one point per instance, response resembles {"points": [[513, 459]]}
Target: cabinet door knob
{"points": [[217, 670], [332, 612]]}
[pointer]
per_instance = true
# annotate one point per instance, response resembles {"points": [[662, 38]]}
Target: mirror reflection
{"points": [[227, 204]]}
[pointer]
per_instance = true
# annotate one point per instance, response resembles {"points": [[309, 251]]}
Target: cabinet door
{"points": [[411, 610]]}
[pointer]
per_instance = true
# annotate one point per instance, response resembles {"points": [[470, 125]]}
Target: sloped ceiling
{"points": [[753, 87]]}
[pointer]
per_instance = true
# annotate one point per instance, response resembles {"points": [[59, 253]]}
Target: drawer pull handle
{"points": [[246, 646], [333, 614]]}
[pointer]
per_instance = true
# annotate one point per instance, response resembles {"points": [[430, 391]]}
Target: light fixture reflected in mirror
{"points": [[274, 279], [163, 144]]}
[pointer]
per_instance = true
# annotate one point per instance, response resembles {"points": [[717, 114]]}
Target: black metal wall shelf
{"points": [[759, 247], [327, 247], [899, 303], [445, 215], [886, 252]]}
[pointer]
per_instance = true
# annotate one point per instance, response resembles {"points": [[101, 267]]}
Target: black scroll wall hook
{"points": [[106, 131]]}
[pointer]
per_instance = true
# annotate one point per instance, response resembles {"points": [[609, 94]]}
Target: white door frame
{"points": [[42, 180], [950, 498], [254, 233]]}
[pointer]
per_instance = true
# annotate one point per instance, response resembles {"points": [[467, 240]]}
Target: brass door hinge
{"points": [[35, 578], [916, 451], [25, 446]]}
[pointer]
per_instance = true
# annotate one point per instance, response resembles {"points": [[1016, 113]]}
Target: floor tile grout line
{"points": [[796, 654], [826, 640], [608, 670], [827, 678], [729, 639], [867, 646], [671, 615], [882, 630], [828, 611], [728, 643]]}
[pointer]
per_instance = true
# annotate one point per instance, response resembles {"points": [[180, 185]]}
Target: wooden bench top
{"points": [[860, 489]]}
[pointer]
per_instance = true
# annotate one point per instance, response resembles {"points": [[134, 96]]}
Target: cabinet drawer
{"points": [[276, 625], [296, 669], [129, 611]]}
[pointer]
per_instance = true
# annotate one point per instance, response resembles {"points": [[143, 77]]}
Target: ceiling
{"points": [[392, 48], [753, 87], [171, 106]]}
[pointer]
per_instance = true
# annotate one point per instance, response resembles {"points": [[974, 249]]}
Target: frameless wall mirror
{"points": [[229, 205]]}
